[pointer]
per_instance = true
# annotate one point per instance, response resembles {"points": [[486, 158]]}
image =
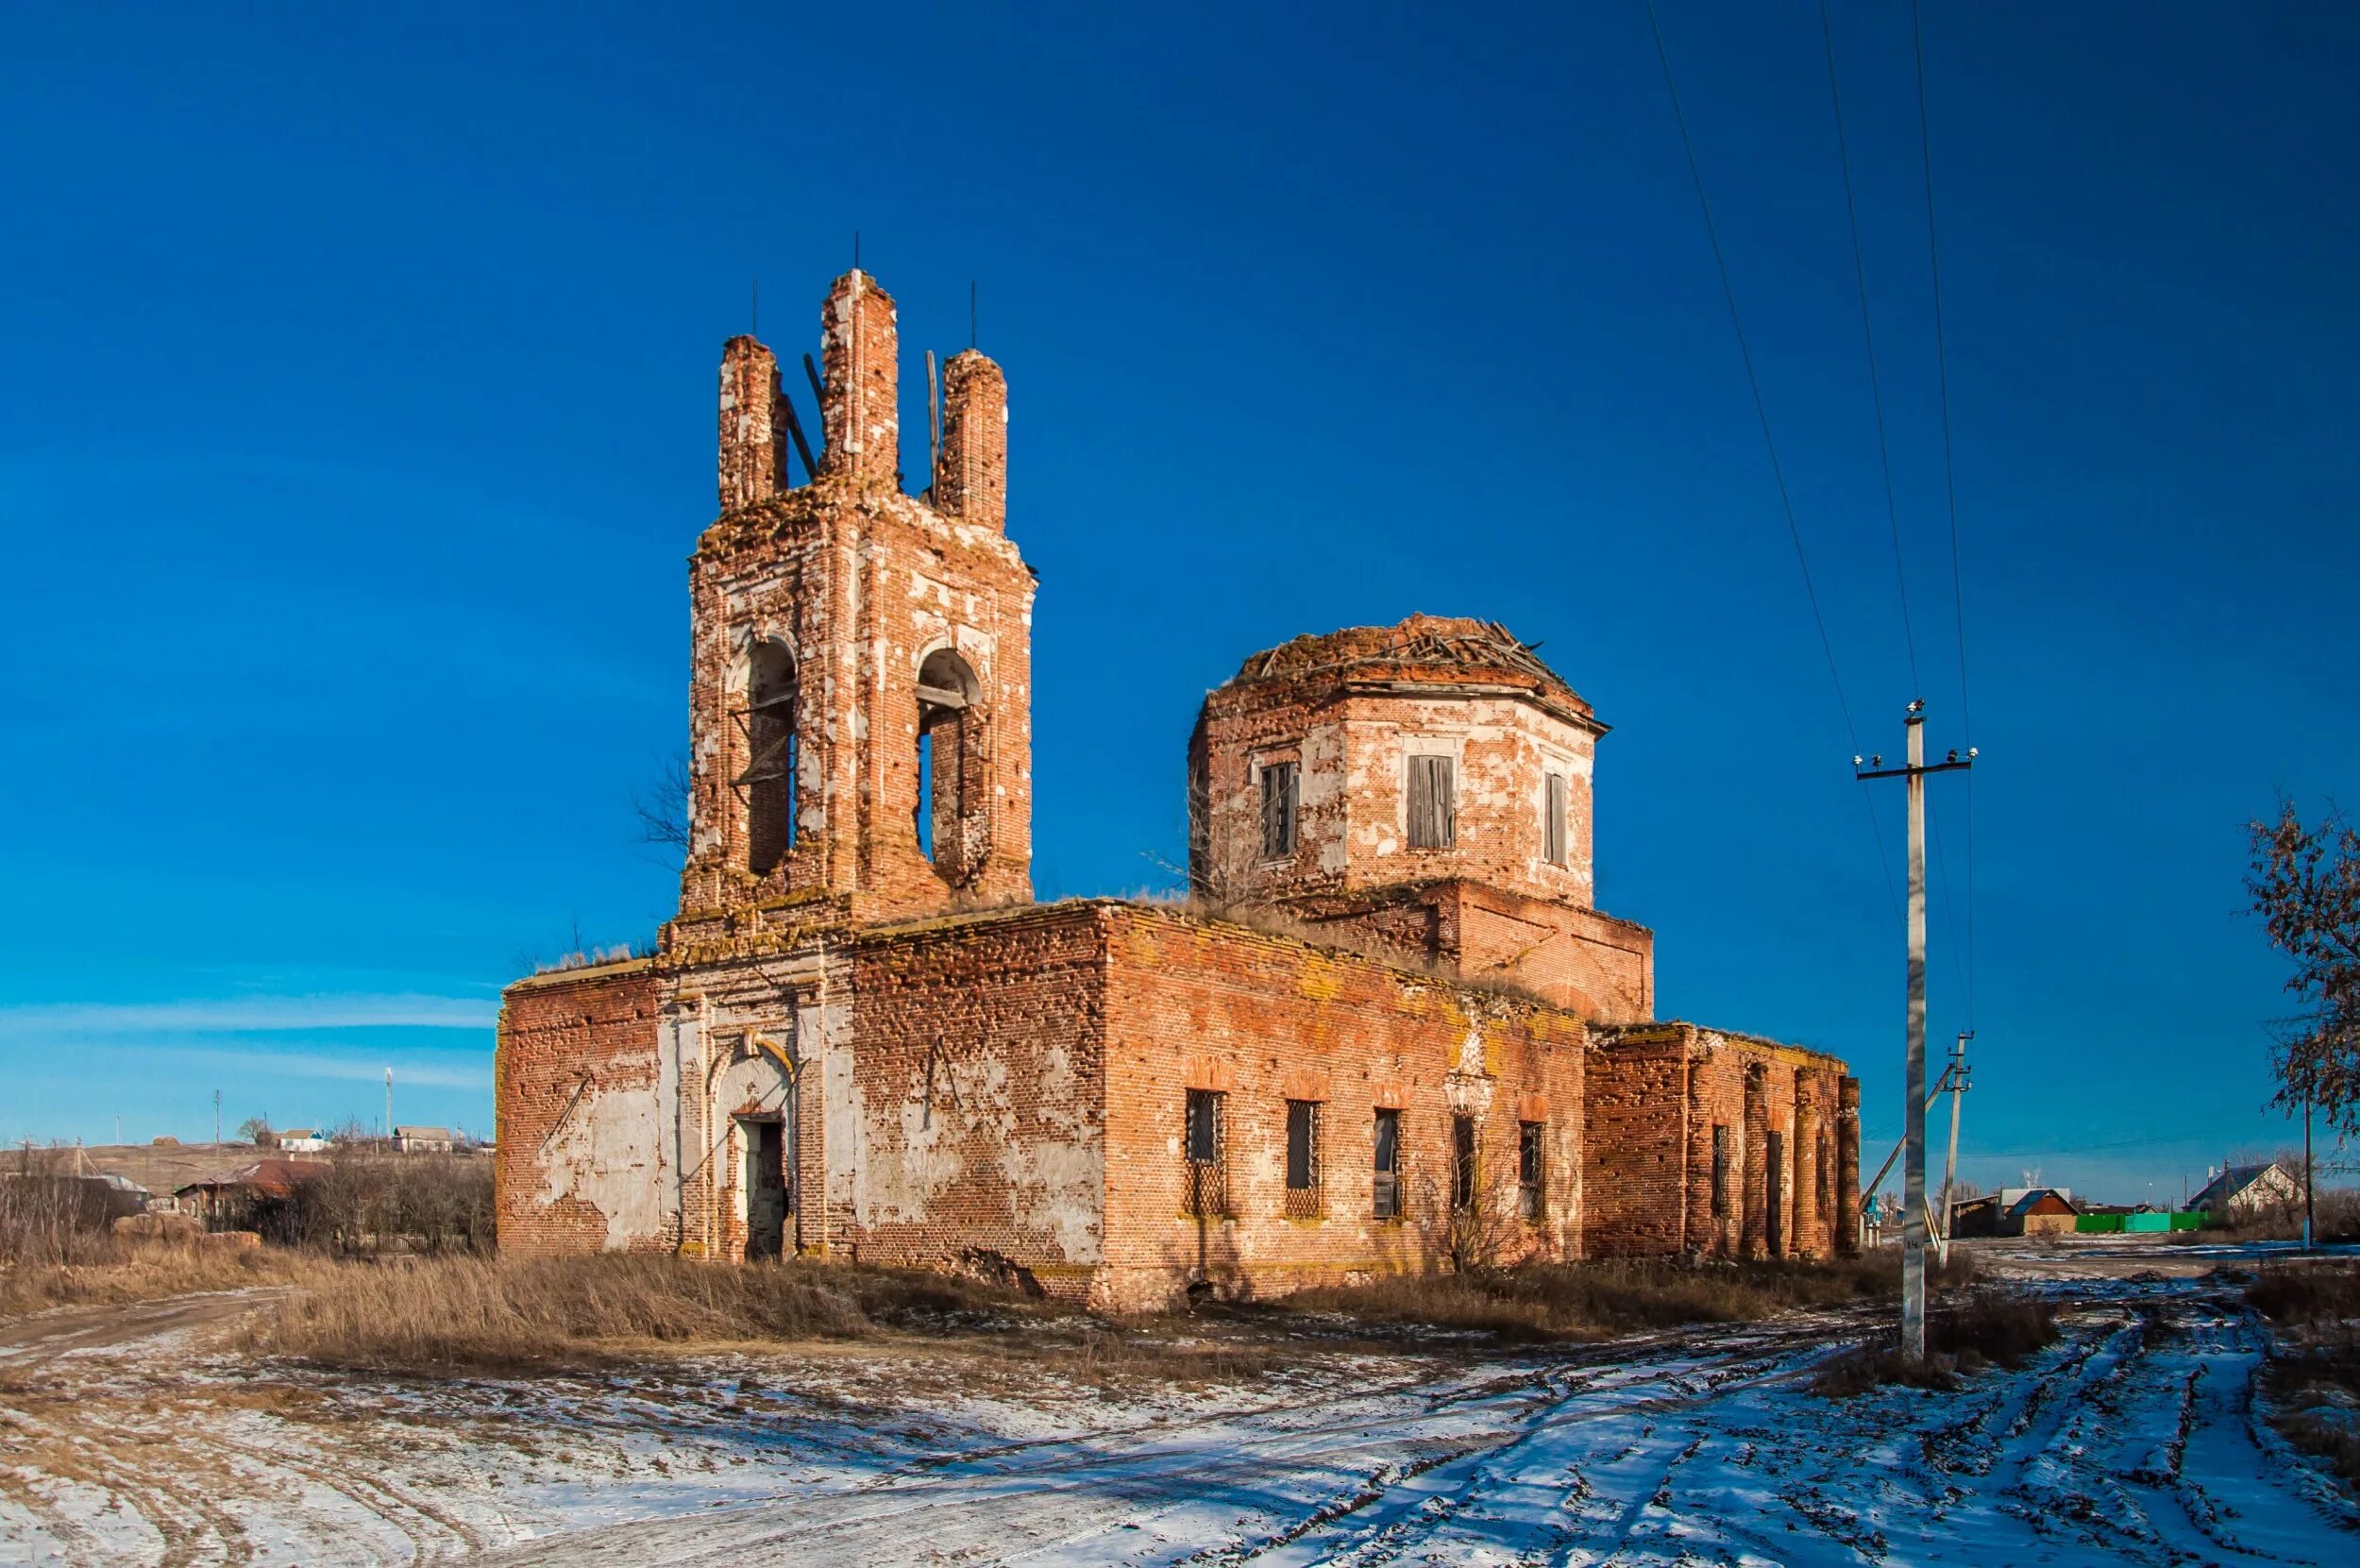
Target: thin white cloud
{"points": [[408, 1071], [246, 1015]]}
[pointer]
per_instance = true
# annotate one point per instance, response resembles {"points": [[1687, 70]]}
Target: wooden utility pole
{"points": [[2306, 1168], [1913, 1138]]}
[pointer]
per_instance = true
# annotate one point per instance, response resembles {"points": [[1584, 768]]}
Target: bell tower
{"points": [[861, 669]]}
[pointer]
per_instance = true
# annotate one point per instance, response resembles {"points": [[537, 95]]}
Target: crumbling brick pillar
{"points": [[860, 406], [1754, 1234], [1847, 1167], [750, 448], [1805, 1239], [1707, 1232], [971, 481]]}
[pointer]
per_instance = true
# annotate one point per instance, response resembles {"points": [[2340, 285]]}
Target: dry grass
{"points": [[122, 1272], [58, 1249], [2307, 1292], [1980, 1328], [482, 1314], [2313, 1373], [1594, 1301], [438, 1316], [444, 1315]]}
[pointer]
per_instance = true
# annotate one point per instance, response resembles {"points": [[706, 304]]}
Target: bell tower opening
{"points": [[949, 815], [768, 783]]}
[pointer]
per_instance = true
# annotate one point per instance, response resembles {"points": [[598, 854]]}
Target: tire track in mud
{"points": [[81, 1451], [399, 1509]]}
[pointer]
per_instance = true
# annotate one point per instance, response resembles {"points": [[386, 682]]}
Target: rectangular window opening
{"points": [[1720, 1172], [1206, 1195], [1433, 814], [1387, 1184], [1279, 809], [1462, 1162], [1553, 828], [1302, 1159], [1531, 1169]]}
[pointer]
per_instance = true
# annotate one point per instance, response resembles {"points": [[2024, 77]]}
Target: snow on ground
{"points": [[2135, 1440]]}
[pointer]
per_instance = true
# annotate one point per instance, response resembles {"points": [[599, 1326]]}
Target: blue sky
{"points": [[359, 418]]}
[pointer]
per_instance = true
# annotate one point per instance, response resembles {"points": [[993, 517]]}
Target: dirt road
{"points": [[2135, 1441]]}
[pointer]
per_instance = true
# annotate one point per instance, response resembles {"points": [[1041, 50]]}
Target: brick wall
{"points": [[1263, 1019], [855, 589], [976, 1088], [580, 1165], [1750, 1089], [1350, 709], [1641, 1187]]}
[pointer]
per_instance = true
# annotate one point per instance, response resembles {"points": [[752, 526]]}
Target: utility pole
{"points": [[1914, 1167], [2306, 1166], [389, 1104], [1950, 1167], [216, 1118]]}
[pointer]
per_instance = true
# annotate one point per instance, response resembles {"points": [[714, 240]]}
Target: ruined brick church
{"points": [[1389, 1032]]}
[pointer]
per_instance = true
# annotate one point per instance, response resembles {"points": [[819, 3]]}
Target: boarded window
{"points": [[1303, 1159], [1205, 1194], [1720, 1172], [1462, 1162], [1553, 830], [1388, 1184], [1278, 809], [1433, 811], [1532, 1143]]}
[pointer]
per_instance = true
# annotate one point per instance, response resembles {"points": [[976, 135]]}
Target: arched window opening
{"points": [[768, 783], [950, 765]]}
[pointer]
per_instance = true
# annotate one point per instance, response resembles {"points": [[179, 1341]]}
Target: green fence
{"points": [[2116, 1224]]}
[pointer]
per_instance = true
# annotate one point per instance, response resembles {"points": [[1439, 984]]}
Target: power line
{"points": [[1761, 410], [1949, 470], [1868, 341]]}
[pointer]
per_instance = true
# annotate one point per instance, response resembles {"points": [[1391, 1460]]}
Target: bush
{"points": [[48, 1220], [415, 1202], [2308, 1292]]}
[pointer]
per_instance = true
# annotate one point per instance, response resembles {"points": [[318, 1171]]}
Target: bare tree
{"points": [[2305, 884], [662, 807], [257, 1131]]}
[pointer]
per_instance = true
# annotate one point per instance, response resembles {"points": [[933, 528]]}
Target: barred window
{"points": [[1278, 809], [1303, 1159], [1206, 1194], [1531, 1167], [1433, 816]]}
